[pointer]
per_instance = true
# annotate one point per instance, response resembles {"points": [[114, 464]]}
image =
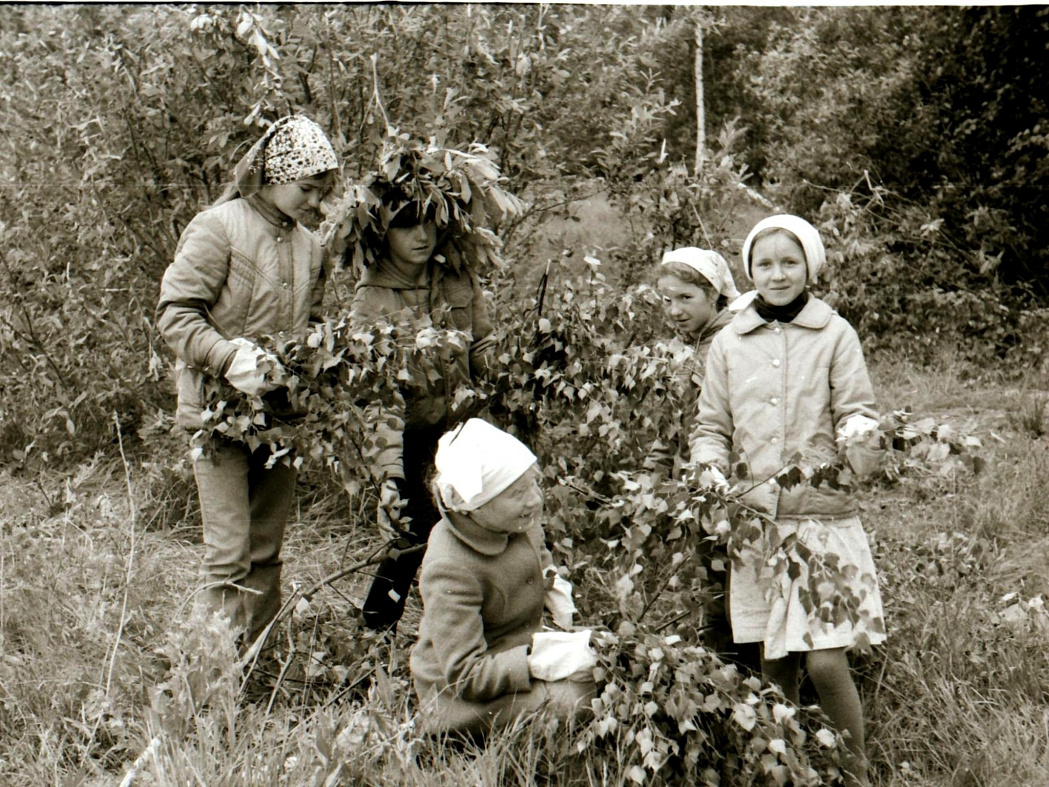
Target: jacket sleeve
{"points": [[851, 392], [482, 348], [190, 287], [711, 440], [452, 599]]}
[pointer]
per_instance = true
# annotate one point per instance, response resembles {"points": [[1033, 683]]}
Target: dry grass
{"points": [[957, 696]]}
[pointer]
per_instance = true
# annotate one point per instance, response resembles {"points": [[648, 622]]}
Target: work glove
{"points": [[858, 426], [248, 371], [388, 511], [557, 655], [860, 437], [558, 599], [709, 477]]}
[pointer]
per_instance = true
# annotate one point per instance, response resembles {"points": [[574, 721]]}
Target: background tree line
{"points": [[913, 135]]}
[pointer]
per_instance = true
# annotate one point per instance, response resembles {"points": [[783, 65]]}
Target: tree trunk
{"points": [[701, 119]]}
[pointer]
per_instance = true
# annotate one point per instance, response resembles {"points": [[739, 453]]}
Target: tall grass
{"points": [[957, 696]]}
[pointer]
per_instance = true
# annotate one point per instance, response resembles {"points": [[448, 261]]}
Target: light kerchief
{"points": [[291, 149], [811, 243], [477, 461], [708, 264], [299, 149]]}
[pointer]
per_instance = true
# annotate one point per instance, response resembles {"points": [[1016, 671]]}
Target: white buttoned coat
{"points": [[774, 389], [242, 269]]}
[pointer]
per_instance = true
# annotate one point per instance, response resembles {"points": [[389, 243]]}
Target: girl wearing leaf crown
{"points": [[788, 376], [246, 268], [415, 234]]}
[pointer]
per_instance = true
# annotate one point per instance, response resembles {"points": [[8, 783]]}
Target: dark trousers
{"points": [[385, 602], [717, 633]]}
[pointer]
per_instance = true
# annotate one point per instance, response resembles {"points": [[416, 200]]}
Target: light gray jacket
{"points": [[776, 388], [241, 269]]}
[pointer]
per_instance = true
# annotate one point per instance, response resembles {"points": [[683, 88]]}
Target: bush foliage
{"points": [[882, 127]]}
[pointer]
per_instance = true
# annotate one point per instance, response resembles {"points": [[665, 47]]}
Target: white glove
{"points": [[558, 600], [713, 478], [557, 655], [244, 373], [856, 426], [861, 449]]}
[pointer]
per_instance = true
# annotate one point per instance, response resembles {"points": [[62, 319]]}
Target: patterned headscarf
{"points": [[809, 236], [708, 264], [291, 149]]}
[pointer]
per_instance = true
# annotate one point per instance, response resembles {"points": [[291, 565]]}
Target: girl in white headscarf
{"points": [[788, 376], [246, 268], [695, 288], [482, 659]]}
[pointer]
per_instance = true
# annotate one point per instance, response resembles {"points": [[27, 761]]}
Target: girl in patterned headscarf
{"points": [[246, 268]]}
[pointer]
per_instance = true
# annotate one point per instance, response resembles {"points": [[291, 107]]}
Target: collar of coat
{"points": [[270, 212], [712, 328], [815, 315], [487, 542], [387, 276]]}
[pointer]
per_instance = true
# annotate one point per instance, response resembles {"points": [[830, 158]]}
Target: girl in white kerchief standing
{"points": [[246, 268], [695, 288], [788, 375], [482, 659]]}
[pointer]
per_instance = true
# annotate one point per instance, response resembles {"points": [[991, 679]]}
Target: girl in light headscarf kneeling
{"points": [[482, 658]]}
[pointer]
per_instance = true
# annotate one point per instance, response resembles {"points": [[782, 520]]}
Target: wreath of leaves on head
{"points": [[459, 190]]}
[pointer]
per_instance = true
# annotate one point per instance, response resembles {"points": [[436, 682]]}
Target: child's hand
{"points": [[556, 655], [709, 477], [253, 368], [862, 441], [558, 599]]}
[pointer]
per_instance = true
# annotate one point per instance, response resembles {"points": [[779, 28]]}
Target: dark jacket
{"points": [[449, 301]]}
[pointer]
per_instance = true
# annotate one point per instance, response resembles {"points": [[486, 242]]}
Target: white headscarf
{"points": [[477, 461], [811, 243], [708, 264]]}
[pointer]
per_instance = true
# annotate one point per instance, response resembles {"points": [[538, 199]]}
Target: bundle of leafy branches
{"points": [[336, 391], [458, 190]]}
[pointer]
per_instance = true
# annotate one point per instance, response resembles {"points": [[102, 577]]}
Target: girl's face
{"points": [[411, 246], [778, 267], [299, 199], [687, 307], [514, 510]]}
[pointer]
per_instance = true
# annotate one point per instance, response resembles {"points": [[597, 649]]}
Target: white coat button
{"points": [[775, 440], [775, 362], [280, 238], [774, 401], [777, 329]]}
